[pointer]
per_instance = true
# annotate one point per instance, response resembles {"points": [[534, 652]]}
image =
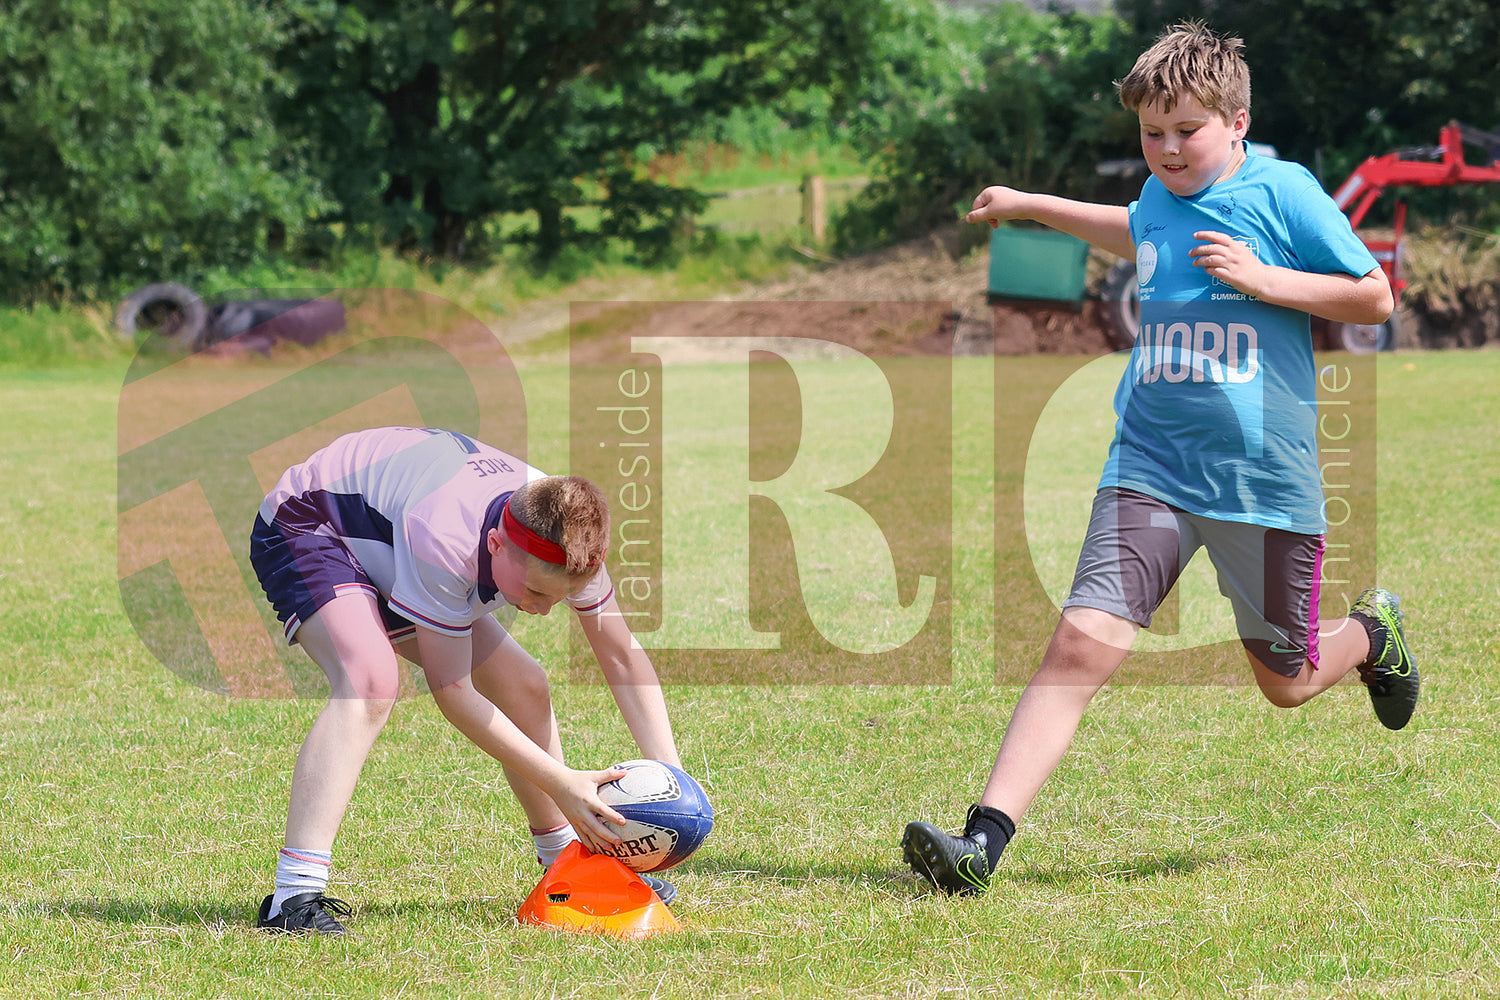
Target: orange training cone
{"points": [[583, 891]]}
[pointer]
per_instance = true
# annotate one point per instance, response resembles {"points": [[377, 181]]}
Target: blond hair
{"points": [[568, 511], [1189, 58]]}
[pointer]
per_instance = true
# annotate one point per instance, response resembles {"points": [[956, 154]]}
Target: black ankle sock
{"points": [[997, 828], [1375, 632]]}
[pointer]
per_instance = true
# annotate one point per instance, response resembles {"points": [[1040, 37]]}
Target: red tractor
{"points": [[1417, 166]]}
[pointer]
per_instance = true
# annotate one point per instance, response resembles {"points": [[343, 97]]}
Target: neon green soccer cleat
{"points": [[956, 865], [1389, 673]]}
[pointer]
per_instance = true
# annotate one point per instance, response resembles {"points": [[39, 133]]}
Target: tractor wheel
{"points": [[171, 310], [1120, 306], [1364, 338]]}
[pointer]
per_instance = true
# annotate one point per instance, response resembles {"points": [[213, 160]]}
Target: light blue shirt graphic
{"points": [[1216, 413]]}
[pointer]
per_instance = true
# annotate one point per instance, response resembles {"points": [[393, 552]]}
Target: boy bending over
{"points": [[407, 540]]}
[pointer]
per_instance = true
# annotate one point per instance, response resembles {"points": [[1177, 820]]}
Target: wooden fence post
{"points": [[815, 207]]}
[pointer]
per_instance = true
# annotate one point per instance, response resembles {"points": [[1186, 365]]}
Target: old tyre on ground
{"points": [[171, 310], [1363, 338], [1120, 306]]}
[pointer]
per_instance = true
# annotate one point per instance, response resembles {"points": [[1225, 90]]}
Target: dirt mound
{"points": [[934, 270], [920, 297]]}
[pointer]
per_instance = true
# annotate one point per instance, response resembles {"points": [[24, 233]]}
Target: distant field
{"points": [[771, 208], [757, 193], [1196, 843], [775, 207]]}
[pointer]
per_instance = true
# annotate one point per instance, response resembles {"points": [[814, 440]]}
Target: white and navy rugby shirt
{"points": [[414, 505]]}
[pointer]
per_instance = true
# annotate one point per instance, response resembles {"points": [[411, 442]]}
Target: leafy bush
{"points": [[1450, 273], [449, 113], [1038, 112], [135, 142]]}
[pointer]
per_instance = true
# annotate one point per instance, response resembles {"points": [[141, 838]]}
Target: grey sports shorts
{"points": [[1137, 547]]}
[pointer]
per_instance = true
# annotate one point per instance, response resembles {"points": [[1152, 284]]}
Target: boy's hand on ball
{"points": [[593, 821]]}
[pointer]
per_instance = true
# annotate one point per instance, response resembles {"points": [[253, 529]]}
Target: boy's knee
{"points": [[376, 686], [378, 709], [1283, 697], [1072, 648], [1278, 689], [532, 686], [367, 709], [1088, 645], [1074, 658]]}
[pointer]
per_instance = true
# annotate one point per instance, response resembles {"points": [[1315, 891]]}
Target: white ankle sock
{"points": [[297, 871], [550, 843]]}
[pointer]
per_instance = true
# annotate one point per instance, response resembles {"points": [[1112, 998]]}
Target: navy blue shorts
{"points": [[1137, 547], [302, 570]]}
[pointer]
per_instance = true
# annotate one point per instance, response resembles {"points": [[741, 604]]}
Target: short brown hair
{"points": [[569, 511], [1189, 58]]}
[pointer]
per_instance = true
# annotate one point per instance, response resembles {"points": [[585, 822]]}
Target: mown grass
{"points": [[1196, 842]]}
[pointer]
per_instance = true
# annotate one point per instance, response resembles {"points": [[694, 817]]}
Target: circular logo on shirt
{"points": [[1145, 262]]}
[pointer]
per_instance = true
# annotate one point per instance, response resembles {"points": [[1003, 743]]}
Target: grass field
{"points": [[1196, 843]]}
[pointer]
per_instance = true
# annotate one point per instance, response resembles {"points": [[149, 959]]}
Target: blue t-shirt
{"points": [[1217, 409]]}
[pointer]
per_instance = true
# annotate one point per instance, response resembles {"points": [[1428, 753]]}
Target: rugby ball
{"points": [[667, 814]]}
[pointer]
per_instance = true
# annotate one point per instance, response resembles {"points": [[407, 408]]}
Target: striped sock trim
{"points": [[550, 843], [299, 870], [324, 858]]}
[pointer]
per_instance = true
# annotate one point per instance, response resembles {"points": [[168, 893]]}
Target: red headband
{"points": [[530, 541]]}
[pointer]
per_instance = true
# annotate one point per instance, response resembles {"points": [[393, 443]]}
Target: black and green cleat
{"points": [[956, 865], [1389, 672]]}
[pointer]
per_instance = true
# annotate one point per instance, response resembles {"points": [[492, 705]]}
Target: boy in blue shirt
{"points": [[1216, 440]]}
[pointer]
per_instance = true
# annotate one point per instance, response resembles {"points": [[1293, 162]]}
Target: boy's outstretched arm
{"points": [[1342, 298], [633, 681], [447, 663], [1105, 226]]}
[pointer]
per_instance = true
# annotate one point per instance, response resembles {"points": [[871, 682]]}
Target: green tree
{"points": [[1349, 79], [136, 144], [1037, 111], [430, 117]]}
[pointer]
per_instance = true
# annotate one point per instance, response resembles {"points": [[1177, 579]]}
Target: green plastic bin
{"points": [[1037, 265]]}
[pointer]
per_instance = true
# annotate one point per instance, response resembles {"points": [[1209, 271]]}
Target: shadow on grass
{"points": [[219, 916], [128, 911], [876, 876], [1131, 869], [900, 881]]}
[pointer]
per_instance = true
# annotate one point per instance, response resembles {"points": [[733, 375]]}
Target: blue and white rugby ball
{"points": [[667, 813]]}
